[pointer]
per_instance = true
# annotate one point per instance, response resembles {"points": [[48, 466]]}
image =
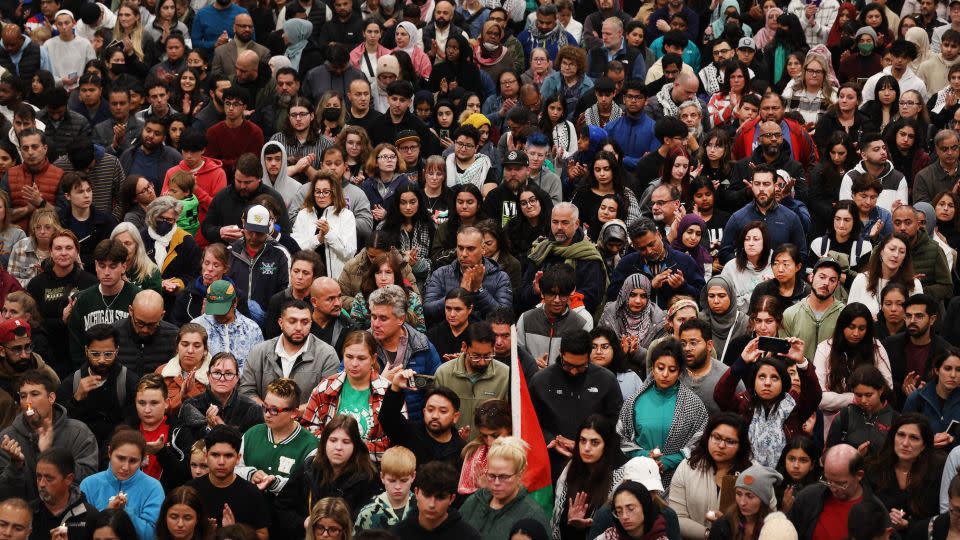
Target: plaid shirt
{"points": [[325, 400], [24, 263], [823, 20]]}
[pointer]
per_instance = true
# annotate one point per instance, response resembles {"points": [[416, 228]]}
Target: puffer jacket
{"points": [[495, 292], [352, 275], [420, 356], [929, 260]]}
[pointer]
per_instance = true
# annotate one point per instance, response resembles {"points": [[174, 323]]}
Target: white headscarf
{"points": [[414, 34]]}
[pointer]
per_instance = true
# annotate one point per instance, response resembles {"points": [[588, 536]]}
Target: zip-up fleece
{"points": [[799, 321], [262, 276], [541, 335]]}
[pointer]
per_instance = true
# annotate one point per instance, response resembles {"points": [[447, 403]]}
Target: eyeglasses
{"points": [[661, 203], [273, 411], [479, 357], [722, 52], [572, 368], [634, 97], [26, 348], [143, 324], [527, 203], [497, 478], [628, 509], [409, 148], [233, 104], [776, 135], [322, 192], [387, 157], [814, 71], [298, 114], [465, 146], [222, 375], [954, 511], [321, 530], [723, 441], [145, 190], [842, 486], [106, 355], [908, 102]]}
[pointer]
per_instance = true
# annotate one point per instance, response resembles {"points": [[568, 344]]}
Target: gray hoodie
{"points": [[68, 433], [287, 187]]}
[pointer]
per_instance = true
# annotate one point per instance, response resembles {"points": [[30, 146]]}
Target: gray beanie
{"points": [[759, 480], [865, 30]]}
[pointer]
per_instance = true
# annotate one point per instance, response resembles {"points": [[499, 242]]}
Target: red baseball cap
{"points": [[12, 329]]}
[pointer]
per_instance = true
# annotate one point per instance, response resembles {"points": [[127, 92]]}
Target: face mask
{"points": [[331, 114], [118, 69], [865, 48], [490, 46], [163, 227]]}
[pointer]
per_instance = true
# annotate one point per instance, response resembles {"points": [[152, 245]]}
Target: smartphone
{"points": [[420, 382], [954, 429], [774, 345]]}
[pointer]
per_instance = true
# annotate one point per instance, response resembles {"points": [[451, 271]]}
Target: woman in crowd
{"points": [[939, 400], [331, 113], [634, 318], [496, 247], [356, 146], [751, 266], [492, 420], [138, 46], [689, 238], [408, 40], [605, 177], [448, 336], [593, 472], [837, 157], [608, 352], [443, 122], [141, 271], [457, 68], [10, 234], [842, 119], [939, 104], [540, 68], [890, 262], [553, 120], [187, 94], [843, 242], [386, 270], [946, 231], [661, 436], [490, 55], [338, 394], [724, 106], [800, 467], [773, 409], [851, 346], [718, 456], [438, 197], [186, 373], [727, 321], [365, 55], [172, 249], [384, 174], [326, 225], [28, 254], [168, 445], [865, 422], [904, 138], [875, 16], [109, 524], [890, 320], [638, 516], [530, 223], [813, 93], [746, 517], [123, 486], [569, 80], [214, 265], [330, 518], [341, 468], [492, 510], [884, 109], [790, 70], [913, 107], [21, 305], [468, 210], [182, 516], [676, 171], [164, 22], [136, 193], [408, 216], [787, 285], [763, 319], [906, 474]]}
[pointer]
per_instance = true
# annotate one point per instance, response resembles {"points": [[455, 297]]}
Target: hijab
{"points": [[918, 36], [530, 527], [414, 34], [488, 56], [833, 39], [723, 325], [638, 324], [700, 255], [297, 31], [765, 34]]}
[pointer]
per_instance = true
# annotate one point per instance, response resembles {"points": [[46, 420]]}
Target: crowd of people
{"points": [[306, 269]]}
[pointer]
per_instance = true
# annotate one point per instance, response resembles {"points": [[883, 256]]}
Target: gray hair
{"points": [[690, 103], [615, 22], [391, 295], [568, 206], [943, 135], [160, 206]]}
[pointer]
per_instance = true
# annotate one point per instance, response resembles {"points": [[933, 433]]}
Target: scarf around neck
{"points": [[161, 244]]}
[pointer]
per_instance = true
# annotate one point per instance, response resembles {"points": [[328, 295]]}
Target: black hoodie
{"points": [[453, 527]]}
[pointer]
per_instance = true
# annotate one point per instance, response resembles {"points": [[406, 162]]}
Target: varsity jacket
{"points": [[259, 451]]}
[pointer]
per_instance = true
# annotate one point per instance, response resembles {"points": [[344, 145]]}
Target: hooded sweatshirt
{"points": [[894, 185], [210, 179], [287, 187]]}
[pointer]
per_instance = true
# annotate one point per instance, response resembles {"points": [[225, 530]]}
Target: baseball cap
{"points": [[406, 136], [220, 295], [746, 43], [516, 158], [645, 471], [257, 219], [828, 261], [12, 329]]}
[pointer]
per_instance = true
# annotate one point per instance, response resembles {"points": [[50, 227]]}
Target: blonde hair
{"points": [[199, 447], [398, 461], [7, 210], [28, 304], [184, 180], [135, 35], [333, 508], [41, 213], [141, 264], [285, 388], [827, 87], [512, 449]]}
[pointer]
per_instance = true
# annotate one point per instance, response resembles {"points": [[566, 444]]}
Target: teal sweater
{"points": [[144, 497], [653, 415]]}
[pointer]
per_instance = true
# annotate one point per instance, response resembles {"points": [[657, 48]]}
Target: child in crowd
{"points": [[182, 184], [398, 469]]}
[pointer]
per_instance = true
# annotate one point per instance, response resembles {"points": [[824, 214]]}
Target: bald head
{"points": [[146, 312], [325, 297], [843, 470], [12, 38], [248, 59]]}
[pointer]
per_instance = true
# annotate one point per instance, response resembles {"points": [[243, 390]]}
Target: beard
{"points": [[100, 369], [21, 364], [816, 292], [296, 341], [771, 151], [699, 361]]}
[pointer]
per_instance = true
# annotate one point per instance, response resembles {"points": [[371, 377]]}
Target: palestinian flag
{"points": [[536, 478]]}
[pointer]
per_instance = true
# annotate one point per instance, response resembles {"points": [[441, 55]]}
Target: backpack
{"points": [[121, 384]]}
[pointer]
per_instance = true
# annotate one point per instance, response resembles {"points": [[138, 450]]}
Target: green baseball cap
{"points": [[220, 295]]}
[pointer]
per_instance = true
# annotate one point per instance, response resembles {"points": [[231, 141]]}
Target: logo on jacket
{"points": [[268, 268]]}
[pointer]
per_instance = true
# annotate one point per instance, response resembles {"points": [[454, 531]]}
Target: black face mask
{"points": [[331, 114], [118, 69]]}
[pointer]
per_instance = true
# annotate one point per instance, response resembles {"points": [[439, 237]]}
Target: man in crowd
{"points": [[214, 111], [16, 520], [227, 329], [902, 53], [150, 157], [213, 22], [334, 75], [436, 488], [941, 175], [703, 370], [814, 318], [144, 340], [305, 267], [502, 203], [225, 55], [68, 52], [668, 100], [436, 33], [772, 151], [566, 392], [399, 118], [119, 132], [929, 261], [482, 277], [536, 148], [547, 33], [33, 184], [541, 328], [41, 424], [913, 352], [670, 133], [501, 322], [360, 113], [21, 55], [235, 135], [158, 94], [474, 375], [612, 46], [17, 341], [346, 26], [259, 265], [61, 125], [295, 354], [104, 171], [330, 323], [773, 107], [60, 501], [223, 220]]}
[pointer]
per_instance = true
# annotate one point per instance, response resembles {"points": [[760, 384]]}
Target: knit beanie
{"points": [[476, 120], [776, 526], [759, 480], [865, 30], [388, 64]]}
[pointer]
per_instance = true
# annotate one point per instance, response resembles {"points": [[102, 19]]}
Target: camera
{"points": [[420, 382]]}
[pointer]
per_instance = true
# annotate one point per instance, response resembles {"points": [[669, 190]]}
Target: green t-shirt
{"points": [[356, 403]]}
